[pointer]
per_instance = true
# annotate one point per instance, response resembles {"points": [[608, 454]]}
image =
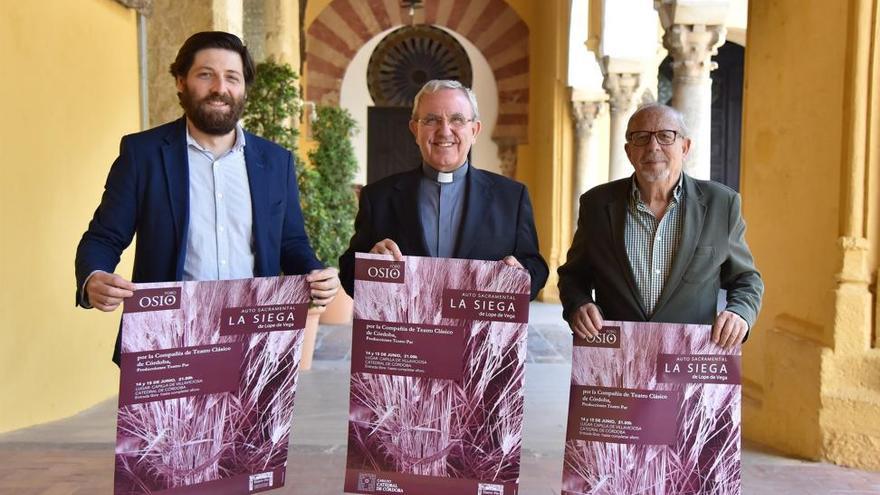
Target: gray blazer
{"points": [[712, 255]]}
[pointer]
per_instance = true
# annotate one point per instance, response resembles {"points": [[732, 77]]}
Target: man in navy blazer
{"points": [[446, 207], [207, 200]]}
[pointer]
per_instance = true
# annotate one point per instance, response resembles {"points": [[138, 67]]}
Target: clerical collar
{"points": [[444, 177]]}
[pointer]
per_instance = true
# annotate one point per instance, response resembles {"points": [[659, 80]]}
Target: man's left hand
{"points": [[324, 284], [729, 329], [511, 261]]}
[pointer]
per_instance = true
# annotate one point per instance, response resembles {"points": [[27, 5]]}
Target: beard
{"points": [[214, 121]]}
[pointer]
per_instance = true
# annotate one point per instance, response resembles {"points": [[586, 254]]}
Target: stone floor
{"points": [[75, 455]]}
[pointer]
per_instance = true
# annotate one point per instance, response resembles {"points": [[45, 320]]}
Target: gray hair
{"points": [[676, 115], [436, 85]]}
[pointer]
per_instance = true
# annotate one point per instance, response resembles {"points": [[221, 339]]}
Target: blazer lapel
{"points": [[478, 194], [617, 223], [691, 228], [176, 164], [406, 206], [258, 183]]}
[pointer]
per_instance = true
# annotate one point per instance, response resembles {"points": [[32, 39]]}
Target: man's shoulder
{"points": [[498, 180], [156, 134], [608, 191], [396, 180], [263, 144], [712, 189]]}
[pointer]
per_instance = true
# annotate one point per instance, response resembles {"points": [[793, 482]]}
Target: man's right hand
{"points": [[586, 321], [387, 246], [107, 290]]}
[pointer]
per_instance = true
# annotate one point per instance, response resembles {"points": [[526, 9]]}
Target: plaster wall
{"points": [[811, 377], [74, 94]]}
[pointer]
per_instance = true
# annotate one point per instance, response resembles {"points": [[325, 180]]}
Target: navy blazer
{"points": [[497, 222], [147, 193]]}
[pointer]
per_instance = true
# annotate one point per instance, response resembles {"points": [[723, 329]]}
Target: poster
{"points": [[438, 353], [207, 382], [654, 408]]}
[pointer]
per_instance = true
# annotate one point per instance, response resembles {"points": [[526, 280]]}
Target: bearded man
{"points": [[207, 200]]}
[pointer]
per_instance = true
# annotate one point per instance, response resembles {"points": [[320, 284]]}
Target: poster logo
{"points": [[153, 300], [389, 272], [260, 481], [490, 489], [366, 482], [609, 337]]}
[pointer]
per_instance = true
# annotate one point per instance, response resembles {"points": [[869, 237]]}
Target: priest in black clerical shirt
{"points": [[446, 207]]}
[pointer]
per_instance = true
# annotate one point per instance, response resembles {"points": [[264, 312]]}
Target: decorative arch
{"points": [[492, 26]]}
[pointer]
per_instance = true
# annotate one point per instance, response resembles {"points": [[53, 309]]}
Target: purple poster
{"points": [[207, 380], [653, 408], [438, 349]]}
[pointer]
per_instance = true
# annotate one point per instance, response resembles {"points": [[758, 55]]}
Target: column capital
{"points": [[144, 7], [584, 113], [621, 86], [620, 82], [709, 12], [507, 155], [691, 47]]}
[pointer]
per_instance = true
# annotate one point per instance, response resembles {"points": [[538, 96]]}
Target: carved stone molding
{"points": [[621, 87], [507, 156], [145, 7], [691, 48], [584, 114]]}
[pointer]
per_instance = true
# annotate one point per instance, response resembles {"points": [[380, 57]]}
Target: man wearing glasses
{"points": [[446, 207], [659, 245]]}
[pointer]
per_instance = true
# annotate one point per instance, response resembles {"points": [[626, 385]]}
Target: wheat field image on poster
{"points": [[438, 358], [207, 385], [654, 409]]}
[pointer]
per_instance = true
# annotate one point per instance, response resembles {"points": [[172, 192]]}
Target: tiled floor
{"points": [[75, 455]]}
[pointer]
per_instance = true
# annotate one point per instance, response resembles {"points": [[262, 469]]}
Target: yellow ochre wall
{"points": [[810, 192], [69, 92]]}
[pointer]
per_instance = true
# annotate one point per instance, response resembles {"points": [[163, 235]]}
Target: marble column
{"points": [[584, 113], [621, 81], [693, 33]]}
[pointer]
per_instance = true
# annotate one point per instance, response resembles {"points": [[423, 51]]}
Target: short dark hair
{"points": [[212, 39]]}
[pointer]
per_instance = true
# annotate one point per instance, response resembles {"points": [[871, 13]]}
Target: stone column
{"points": [[621, 82], [170, 24], [281, 23], [584, 113], [693, 34]]}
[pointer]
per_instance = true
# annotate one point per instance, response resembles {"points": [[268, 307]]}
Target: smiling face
{"points": [[213, 92], [444, 146], [655, 162]]}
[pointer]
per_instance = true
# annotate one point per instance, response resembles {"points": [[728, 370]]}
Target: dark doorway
{"points": [[391, 147], [727, 91], [398, 68]]}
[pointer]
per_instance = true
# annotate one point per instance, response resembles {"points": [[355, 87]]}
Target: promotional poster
{"points": [[438, 353], [207, 381], [654, 408]]}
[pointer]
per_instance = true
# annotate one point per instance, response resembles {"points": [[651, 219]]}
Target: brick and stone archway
{"points": [[335, 36]]}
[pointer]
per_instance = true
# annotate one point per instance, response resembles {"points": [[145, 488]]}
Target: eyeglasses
{"points": [[641, 138], [456, 121]]}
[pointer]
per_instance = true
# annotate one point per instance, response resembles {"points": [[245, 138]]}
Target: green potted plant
{"points": [[328, 199]]}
